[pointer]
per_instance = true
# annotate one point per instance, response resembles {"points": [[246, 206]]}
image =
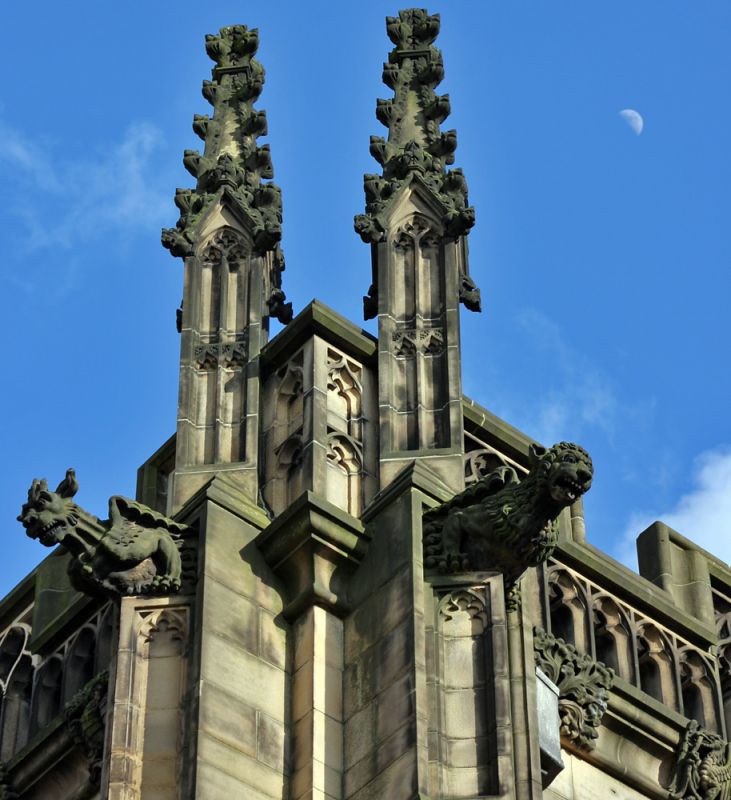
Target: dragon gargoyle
{"points": [[135, 551], [506, 524]]}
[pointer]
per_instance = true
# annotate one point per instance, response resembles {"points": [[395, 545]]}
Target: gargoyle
{"points": [[135, 551], [501, 523], [702, 766]]}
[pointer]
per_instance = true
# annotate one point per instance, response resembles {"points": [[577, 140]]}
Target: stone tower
{"points": [[341, 579]]}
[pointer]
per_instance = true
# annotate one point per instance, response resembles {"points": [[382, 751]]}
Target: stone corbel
{"points": [[314, 547], [583, 686]]}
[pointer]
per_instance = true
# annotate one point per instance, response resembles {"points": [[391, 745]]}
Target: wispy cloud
{"points": [[579, 396], [60, 202], [703, 514]]}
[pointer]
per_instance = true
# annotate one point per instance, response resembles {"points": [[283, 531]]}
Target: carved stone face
{"points": [[47, 516], [569, 472]]}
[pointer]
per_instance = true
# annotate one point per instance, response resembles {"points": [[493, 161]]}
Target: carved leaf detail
{"points": [[583, 685]]}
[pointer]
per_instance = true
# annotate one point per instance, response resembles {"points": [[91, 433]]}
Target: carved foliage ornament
{"points": [[583, 685], [702, 766], [135, 551], [224, 354], [86, 715], [234, 166], [408, 342]]}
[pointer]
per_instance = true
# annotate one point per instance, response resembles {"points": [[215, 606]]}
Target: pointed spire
{"points": [[416, 145], [233, 166]]}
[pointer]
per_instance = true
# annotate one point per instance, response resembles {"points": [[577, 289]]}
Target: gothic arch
{"points": [[697, 685], [345, 394], [16, 686], [568, 609], [656, 664], [106, 635], [478, 463], [612, 636], [79, 663], [46, 700], [290, 398], [345, 472]]}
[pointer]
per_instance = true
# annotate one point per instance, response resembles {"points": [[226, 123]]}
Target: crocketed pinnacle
{"points": [[416, 144], [233, 165]]}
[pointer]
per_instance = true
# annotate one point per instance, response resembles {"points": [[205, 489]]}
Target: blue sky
{"points": [[603, 256]]}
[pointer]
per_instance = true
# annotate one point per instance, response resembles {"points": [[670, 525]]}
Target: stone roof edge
{"points": [[318, 319]]}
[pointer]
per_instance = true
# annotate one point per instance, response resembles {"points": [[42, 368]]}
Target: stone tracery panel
{"points": [[421, 419], [465, 694], [220, 349], [16, 683], [641, 650]]}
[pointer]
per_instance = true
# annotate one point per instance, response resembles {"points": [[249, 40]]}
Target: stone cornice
{"points": [[317, 319], [415, 475]]}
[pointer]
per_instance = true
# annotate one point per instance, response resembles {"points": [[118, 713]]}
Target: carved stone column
{"points": [[314, 548]]}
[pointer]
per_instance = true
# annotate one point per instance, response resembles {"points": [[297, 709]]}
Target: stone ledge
{"points": [[415, 475]]}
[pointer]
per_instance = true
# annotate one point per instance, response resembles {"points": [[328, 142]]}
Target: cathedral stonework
{"points": [[341, 578]]}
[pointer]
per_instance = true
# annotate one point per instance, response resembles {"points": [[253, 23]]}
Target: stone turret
{"points": [[416, 221], [228, 236]]}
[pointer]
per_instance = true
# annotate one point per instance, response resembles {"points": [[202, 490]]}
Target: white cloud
{"points": [[61, 202], [703, 515], [581, 396]]}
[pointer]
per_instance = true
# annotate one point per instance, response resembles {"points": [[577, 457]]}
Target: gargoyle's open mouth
{"points": [[570, 487], [46, 535]]}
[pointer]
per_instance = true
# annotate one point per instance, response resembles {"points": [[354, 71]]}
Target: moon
{"points": [[633, 119]]}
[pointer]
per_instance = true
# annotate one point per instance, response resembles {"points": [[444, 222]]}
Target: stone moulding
{"points": [[583, 685], [702, 766], [313, 547], [407, 342]]}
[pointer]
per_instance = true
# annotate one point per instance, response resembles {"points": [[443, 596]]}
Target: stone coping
{"points": [[318, 319], [632, 588]]}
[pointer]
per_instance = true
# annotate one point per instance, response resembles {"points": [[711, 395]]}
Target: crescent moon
{"points": [[633, 119]]}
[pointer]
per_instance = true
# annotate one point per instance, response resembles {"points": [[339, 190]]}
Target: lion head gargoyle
{"points": [[505, 524], [135, 551]]}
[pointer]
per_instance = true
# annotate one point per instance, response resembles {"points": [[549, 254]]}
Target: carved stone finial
{"points": [[234, 166], [135, 551], [702, 766], [499, 523], [416, 145], [583, 685]]}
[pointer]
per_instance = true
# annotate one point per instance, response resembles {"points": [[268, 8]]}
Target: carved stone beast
{"points": [[501, 523], [135, 551]]}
